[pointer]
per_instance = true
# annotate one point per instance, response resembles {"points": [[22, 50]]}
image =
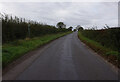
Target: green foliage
{"points": [[13, 50], [70, 28], [17, 28], [74, 30], [61, 25], [109, 38], [112, 55], [19, 36], [80, 28]]}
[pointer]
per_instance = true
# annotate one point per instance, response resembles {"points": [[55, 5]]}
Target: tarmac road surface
{"points": [[67, 58]]}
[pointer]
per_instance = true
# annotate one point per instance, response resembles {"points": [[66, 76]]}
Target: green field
{"points": [[109, 54], [13, 50]]}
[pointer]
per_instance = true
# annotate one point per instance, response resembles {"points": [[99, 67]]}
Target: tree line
{"points": [[15, 28]]}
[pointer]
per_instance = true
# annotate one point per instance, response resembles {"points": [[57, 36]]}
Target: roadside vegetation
{"points": [[20, 36], [15, 49], [15, 28], [105, 42]]}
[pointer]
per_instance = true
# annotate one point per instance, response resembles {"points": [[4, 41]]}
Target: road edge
{"points": [[9, 73], [114, 68]]}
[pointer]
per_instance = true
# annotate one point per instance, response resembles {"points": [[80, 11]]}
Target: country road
{"points": [[67, 58]]}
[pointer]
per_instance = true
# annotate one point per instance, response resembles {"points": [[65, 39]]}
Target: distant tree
{"points": [[74, 30], [61, 25], [104, 27], [70, 28], [107, 26], [80, 28], [64, 26]]}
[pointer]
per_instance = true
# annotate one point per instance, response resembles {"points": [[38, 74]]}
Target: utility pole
{"points": [[29, 30]]}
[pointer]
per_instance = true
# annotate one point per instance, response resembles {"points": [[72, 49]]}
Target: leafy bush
{"points": [[109, 38], [109, 54], [14, 28]]}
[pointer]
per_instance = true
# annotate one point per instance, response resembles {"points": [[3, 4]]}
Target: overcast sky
{"points": [[85, 14]]}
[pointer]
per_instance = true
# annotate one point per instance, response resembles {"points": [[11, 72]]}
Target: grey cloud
{"points": [[71, 13]]}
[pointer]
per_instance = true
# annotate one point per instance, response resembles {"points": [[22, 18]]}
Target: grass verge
{"points": [[13, 50], [108, 54]]}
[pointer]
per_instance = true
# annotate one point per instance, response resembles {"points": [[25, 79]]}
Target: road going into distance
{"points": [[67, 58]]}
